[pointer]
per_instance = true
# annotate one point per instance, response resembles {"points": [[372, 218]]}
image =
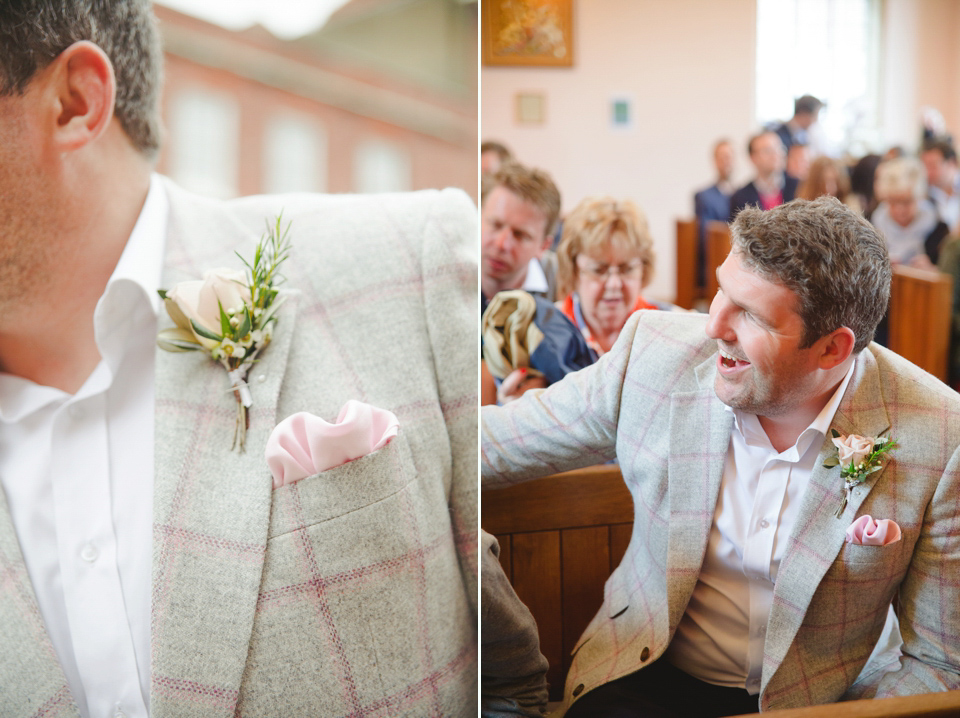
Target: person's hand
{"points": [[516, 384]]}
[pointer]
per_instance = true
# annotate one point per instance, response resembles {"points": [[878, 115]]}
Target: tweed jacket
{"points": [[650, 402], [350, 592]]}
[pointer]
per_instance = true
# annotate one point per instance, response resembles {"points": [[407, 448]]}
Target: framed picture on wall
{"points": [[528, 32]]}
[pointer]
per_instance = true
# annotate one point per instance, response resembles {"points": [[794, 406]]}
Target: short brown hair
{"points": [[830, 257], [602, 223], [33, 34], [531, 185]]}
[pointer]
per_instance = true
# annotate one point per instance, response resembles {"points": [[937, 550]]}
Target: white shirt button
{"points": [[764, 523], [89, 553], [262, 378]]}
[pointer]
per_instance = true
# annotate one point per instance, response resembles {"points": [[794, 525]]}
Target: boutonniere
{"points": [[229, 315], [857, 457]]}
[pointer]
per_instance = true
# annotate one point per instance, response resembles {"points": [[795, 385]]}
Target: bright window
{"points": [[205, 143], [295, 155], [380, 166], [825, 48]]}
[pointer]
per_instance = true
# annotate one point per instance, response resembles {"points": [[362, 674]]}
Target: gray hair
{"points": [[829, 256], [33, 34], [901, 175]]}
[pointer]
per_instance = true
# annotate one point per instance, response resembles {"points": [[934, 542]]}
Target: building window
{"points": [[825, 48], [380, 166], [205, 141], [295, 155]]}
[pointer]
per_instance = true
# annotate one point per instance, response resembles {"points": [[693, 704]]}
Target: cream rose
{"points": [[853, 449], [200, 300]]}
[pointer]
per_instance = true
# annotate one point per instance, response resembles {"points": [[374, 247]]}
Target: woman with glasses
{"points": [[605, 260]]}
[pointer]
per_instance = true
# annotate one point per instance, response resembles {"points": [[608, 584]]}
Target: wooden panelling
{"points": [[687, 289], [586, 560], [920, 311], [536, 579], [718, 247], [560, 537], [586, 497]]}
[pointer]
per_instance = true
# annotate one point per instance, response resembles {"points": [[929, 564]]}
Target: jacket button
{"points": [[644, 654], [578, 690]]}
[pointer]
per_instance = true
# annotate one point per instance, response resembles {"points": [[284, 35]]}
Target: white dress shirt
{"points": [[720, 637], [77, 471]]}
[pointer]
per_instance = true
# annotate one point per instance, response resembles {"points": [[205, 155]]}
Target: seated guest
{"points": [[605, 260], [790, 480], [862, 181], [806, 112], [798, 161], [713, 203], [493, 155], [519, 208], [827, 177], [771, 187], [907, 220], [943, 178]]}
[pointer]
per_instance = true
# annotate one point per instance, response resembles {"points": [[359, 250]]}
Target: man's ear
{"points": [[83, 91], [837, 346]]}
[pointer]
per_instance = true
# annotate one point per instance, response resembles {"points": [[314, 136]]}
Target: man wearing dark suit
{"points": [[806, 111], [771, 187], [713, 203]]}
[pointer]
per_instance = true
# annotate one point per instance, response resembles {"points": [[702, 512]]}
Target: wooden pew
{"points": [[718, 247], [560, 538], [921, 304], [687, 257]]}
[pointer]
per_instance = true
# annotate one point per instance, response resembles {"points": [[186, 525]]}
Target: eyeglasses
{"points": [[602, 272]]}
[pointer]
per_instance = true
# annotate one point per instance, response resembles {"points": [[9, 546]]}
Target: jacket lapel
{"points": [[818, 535], [699, 437], [31, 680], [211, 504]]}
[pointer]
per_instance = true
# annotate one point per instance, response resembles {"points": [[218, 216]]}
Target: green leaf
{"points": [[270, 311], [869, 471], [225, 327], [162, 293], [177, 340], [244, 327], [836, 434], [204, 332], [831, 462]]}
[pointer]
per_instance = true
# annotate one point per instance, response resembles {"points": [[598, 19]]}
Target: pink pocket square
{"points": [[303, 444], [867, 532]]}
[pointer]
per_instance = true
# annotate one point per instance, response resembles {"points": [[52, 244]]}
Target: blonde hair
{"points": [[596, 225], [904, 174]]}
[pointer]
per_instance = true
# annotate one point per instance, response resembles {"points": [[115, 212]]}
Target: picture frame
{"points": [[527, 32]]}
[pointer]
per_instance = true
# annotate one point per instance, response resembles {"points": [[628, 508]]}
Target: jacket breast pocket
{"points": [[342, 489], [361, 586]]}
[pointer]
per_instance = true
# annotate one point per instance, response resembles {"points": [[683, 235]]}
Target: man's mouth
{"points": [[731, 362]]}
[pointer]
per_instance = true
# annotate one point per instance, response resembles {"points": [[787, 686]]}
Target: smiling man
{"points": [[746, 585]]}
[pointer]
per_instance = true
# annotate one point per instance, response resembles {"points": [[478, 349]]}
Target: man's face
{"points": [[798, 162], [22, 188], [723, 159], [767, 154], [513, 231], [761, 368], [940, 172]]}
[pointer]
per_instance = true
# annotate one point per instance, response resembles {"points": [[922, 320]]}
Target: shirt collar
{"points": [[536, 280], [749, 425]]}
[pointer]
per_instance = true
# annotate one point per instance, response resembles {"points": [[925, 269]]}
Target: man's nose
{"points": [[504, 239], [718, 323]]}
